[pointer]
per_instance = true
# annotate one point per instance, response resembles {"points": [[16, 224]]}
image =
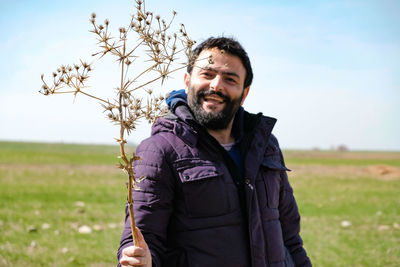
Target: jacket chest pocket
{"points": [[269, 182], [204, 189]]}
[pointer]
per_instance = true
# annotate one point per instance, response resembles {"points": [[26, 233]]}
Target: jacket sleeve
{"points": [[290, 220], [152, 200]]}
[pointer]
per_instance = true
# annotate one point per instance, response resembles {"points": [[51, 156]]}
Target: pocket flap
{"points": [[198, 170]]}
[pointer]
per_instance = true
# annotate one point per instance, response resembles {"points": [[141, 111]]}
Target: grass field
{"points": [[349, 201]]}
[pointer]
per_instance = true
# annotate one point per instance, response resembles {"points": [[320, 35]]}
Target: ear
{"points": [[245, 93], [186, 81]]}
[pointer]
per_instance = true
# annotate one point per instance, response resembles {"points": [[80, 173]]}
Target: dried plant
{"points": [[152, 38]]}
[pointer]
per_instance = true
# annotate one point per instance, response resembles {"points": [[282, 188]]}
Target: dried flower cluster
{"points": [[152, 35]]}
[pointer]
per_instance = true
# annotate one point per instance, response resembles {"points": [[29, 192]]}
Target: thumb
{"points": [[141, 242]]}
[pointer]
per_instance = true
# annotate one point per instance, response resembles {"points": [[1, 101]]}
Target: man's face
{"points": [[215, 89]]}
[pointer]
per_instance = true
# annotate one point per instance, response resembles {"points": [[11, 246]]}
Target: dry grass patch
{"points": [[380, 172]]}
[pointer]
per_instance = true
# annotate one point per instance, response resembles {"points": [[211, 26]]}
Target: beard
{"points": [[213, 120]]}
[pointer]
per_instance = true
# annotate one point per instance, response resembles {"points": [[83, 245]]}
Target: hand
{"points": [[136, 255]]}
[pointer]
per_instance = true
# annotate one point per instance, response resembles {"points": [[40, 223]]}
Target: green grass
{"points": [[371, 205], [42, 153], [42, 183]]}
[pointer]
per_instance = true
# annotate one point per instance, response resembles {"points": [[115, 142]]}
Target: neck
{"points": [[223, 136]]}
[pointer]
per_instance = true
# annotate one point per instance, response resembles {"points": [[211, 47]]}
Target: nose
{"points": [[216, 83]]}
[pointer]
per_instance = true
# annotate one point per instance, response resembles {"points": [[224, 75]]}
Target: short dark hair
{"points": [[230, 46]]}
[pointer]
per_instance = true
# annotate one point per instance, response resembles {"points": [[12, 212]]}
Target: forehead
{"points": [[219, 60]]}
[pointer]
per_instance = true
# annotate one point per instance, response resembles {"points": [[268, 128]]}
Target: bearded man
{"points": [[216, 191]]}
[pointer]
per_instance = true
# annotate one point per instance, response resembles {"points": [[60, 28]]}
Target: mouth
{"points": [[214, 98]]}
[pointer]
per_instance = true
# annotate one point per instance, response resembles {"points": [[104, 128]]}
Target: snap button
{"points": [[247, 181], [186, 177]]}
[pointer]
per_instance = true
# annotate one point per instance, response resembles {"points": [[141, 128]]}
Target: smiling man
{"points": [[216, 191], [216, 91]]}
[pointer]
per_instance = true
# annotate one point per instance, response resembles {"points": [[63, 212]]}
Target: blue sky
{"points": [[329, 71]]}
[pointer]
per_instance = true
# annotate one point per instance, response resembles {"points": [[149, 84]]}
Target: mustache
{"points": [[213, 92]]}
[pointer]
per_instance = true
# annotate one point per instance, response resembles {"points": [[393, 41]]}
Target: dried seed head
{"points": [[101, 27], [106, 22], [210, 60], [122, 30], [158, 17], [54, 74], [85, 65], [93, 15]]}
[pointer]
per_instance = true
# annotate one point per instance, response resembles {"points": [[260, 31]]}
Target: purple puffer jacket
{"points": [[190, 210]]}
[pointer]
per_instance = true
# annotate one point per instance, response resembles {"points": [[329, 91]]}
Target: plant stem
{"points": [[155, 79], [95, 97], [122, 142], [130, 207]]}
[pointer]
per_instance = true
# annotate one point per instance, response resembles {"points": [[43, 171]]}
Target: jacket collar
{"points": [[244, 123]]}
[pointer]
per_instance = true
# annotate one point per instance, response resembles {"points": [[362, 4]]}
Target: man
{"points": [[216, 191]]}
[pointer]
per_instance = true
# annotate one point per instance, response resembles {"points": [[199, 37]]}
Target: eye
{"points": [[207, 74], [230, 80]]}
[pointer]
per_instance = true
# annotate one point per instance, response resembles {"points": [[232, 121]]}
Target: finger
{"points": [[132, 261], [133, 251]]}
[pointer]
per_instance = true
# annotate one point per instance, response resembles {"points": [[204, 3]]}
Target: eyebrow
{"points": [[229, 73]]}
